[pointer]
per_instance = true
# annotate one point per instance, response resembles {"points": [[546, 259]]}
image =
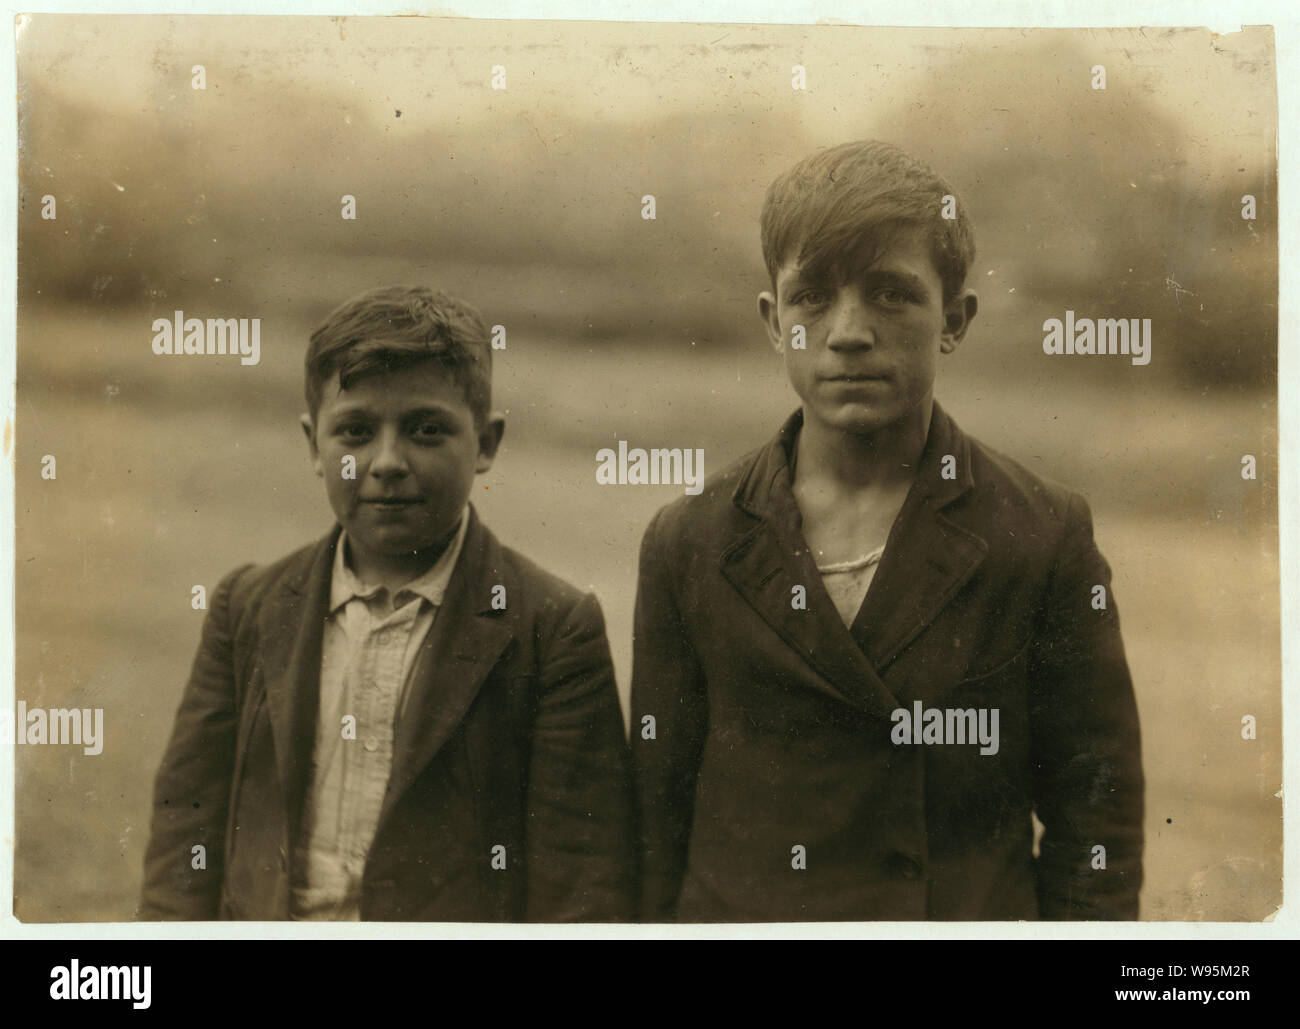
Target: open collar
{"points": [[928, 556], [431, 584]]}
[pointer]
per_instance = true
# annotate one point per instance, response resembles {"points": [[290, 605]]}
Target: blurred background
{"points": [[225, 202]]}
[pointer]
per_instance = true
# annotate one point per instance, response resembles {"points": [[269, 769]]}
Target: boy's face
{"points": [[416, 450], [872, 342]]}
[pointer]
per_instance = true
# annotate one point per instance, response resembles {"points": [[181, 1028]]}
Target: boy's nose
{"points": [[389, 458], [852, 326]]}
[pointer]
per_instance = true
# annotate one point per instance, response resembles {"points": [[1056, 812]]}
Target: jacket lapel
{"points": [[927, 559], [467, 639], [928, 556], [766, 562], [291, 628]]}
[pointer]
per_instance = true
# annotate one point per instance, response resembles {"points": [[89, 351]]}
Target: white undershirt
{"points": [[847, 583]]}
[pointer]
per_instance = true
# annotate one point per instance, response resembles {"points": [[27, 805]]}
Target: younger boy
{"points": [[874, 648], [404, 720]]}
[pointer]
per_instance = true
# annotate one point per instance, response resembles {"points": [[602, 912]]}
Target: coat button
{"points": [[906, 867]]}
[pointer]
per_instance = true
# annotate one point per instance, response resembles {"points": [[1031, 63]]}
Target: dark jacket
{"points": [[772, 725], [513, 737]]}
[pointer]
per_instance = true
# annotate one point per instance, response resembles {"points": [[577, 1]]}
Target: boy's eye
{"points": [[893, 295], [429, 430], [353, 432], [809, 297]]}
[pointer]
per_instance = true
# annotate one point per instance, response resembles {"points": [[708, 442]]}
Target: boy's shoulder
{"points": [[243, 588], [713, 508], [1001, 490], [542, 588], [1004, 482]]}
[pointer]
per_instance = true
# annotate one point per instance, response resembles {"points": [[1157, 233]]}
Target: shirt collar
{"points": [[432, 585]]}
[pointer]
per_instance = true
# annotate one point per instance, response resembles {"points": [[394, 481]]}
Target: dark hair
{"points": [[398, 326], [840, 208]]}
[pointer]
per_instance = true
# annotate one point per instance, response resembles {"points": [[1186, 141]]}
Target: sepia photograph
{"points": [[645, 473]]}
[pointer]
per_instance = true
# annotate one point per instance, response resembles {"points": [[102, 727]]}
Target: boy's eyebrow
{"points": [[895, 276], [799, 279], [359, 407], [874, 276]]}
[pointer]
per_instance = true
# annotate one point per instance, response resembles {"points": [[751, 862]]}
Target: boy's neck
{"points": [[882, 459], [393, 573]]}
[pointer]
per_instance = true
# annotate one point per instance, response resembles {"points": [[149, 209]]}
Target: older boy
{"points": [[870, 651], [404, 720]]}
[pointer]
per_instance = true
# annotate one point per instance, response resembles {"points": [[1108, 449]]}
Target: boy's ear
{"points": [[771, 323], [309, 430], [957, 316], [489, 439]]}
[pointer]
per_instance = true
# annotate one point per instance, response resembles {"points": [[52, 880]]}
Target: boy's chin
{"points": [[396, 543], [859, 419]]}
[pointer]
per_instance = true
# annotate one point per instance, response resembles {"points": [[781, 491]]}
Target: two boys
{"points": [[869, 649]]}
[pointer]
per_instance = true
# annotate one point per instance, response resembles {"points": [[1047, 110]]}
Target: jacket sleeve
{"points": [[192, 788], [668, 687], [1085, 743], [580, 860]]}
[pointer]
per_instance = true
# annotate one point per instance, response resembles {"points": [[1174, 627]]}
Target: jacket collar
{"points": [[928, 556], [467, 638], [767, 484]]}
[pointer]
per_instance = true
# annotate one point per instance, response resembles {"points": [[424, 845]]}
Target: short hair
{"points": [[395, 327], [838, 209]]}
